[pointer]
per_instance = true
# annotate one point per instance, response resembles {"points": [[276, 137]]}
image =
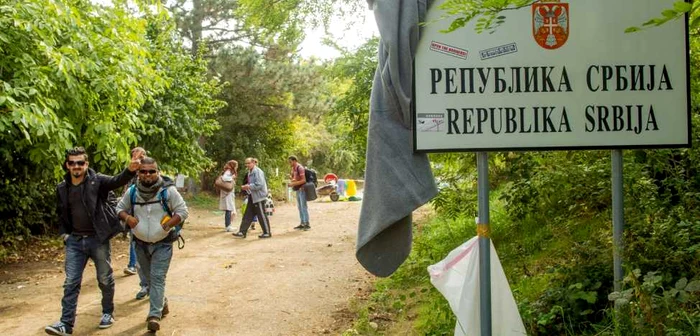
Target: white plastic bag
{"points": [[457, 278]]}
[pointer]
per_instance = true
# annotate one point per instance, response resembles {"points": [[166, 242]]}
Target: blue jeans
{"points": [[132, 263], [78, 251], [155, 262], [301, 204], [227, 218]]}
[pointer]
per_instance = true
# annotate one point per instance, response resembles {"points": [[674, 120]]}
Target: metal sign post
{"points": [[618, 217], [482, 229]]}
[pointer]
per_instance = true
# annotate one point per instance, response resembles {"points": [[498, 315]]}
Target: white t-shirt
{"points": [[227, 177]]}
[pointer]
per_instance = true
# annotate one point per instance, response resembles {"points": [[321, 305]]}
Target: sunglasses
{"points": [[76, 163], [144, 171]]}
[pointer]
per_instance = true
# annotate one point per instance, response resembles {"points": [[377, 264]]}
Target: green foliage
{"points": [[658, 306], [457, 185], [352, 76], [72, 72], [26, 206], [272, 112], [659, 191], [489, 14], [202, 201], [679, 10], [103, 77], [408, 295], [175, 119], [274, 26]]}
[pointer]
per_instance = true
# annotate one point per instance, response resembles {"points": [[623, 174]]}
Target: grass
{"points": [[202, 200], [529, 252]]}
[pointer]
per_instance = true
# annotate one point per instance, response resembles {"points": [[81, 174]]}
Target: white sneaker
{"points": [[230, 228]]}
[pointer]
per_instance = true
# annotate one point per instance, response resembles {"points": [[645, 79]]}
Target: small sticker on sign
{"points": [[448, 50], [430, 122], [498, 51]]}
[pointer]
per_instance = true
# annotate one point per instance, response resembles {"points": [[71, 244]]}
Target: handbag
{"points": [[223, 185]]}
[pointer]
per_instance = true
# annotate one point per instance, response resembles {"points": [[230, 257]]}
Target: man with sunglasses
{"points": [[87, 222], [152, 212]]}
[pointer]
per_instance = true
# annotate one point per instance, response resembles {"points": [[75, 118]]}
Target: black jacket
{"points": [[95, 196]]}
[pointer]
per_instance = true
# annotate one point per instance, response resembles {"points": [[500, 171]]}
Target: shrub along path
{"points": [[297, 283]]}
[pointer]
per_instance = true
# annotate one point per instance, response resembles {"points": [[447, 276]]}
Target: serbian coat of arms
{"points": [[550, 23]]}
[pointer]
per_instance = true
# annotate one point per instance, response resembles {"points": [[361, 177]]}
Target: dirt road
{"points": [[290, 284]]}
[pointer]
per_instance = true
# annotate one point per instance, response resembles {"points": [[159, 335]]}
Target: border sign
{"points": [[556, 75]]}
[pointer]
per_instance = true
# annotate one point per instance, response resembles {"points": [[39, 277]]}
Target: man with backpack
{"points": [[87, 222], [154, 210], [299, 178]]}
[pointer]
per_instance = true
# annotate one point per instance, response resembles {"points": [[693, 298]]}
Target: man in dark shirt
{"points": [[82, 226], [87, 222]]}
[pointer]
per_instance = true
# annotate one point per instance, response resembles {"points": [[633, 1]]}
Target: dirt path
{"points": [[217, 285]]}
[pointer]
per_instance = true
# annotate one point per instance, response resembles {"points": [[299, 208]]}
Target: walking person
{"points": [[256, 188], [132, 267], [244, 204], [152, 213], [297, 184], [227, 198], [87, 222]]}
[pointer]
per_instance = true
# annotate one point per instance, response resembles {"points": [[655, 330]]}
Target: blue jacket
{"points": [[258, 185]]}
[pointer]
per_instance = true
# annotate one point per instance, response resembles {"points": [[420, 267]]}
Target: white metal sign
{"points": [[555, 75]]}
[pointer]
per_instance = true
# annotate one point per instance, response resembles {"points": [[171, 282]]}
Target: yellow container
{"points": [[351, 189]]}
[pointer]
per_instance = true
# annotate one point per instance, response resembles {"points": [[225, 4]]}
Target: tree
{"points": [[353, 74], [253, 23], [73, 73], [265, 94], [177, 118]]}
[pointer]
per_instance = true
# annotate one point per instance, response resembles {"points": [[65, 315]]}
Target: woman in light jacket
{"points": [[226, 198]]}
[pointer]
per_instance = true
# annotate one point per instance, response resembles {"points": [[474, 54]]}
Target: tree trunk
{"points": [[196, 25]]}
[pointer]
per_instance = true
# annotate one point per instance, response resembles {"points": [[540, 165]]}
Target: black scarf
{"points": [[147, 193]]}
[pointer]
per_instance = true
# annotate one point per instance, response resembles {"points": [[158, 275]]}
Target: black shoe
{"points": [[239, 234], [299, 227], [59, 328], [106, 321], [306, 227], [142, 293], [265, 235]]}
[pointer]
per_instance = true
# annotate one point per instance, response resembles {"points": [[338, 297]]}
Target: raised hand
{"points": [[137, 154]]}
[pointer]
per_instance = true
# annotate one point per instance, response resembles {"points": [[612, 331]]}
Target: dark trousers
{"points": [[252, 210], [227, 218], [78, 251]]}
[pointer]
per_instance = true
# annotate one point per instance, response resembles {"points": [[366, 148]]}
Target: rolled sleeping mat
{"points": [[310, 190]]}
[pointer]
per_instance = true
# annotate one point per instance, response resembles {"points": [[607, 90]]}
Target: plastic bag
{"points": [[457, 279]]}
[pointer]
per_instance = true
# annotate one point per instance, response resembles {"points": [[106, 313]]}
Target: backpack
{"points": [[163, 193], [310, 176]]}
